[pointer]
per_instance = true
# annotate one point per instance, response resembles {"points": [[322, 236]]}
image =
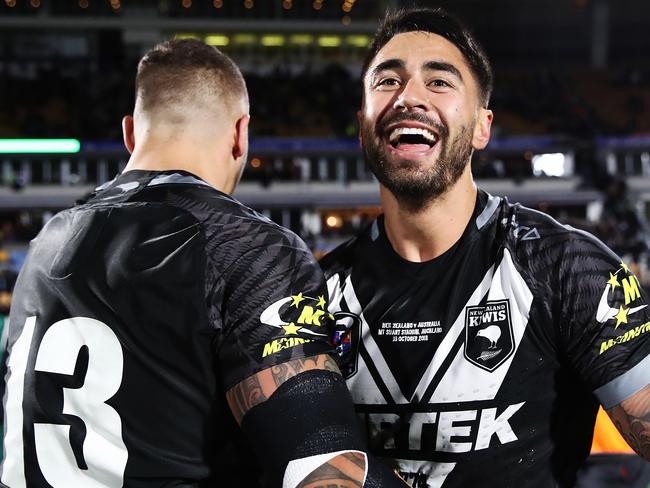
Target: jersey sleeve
{"points": [[274, 310], [605, 321]]}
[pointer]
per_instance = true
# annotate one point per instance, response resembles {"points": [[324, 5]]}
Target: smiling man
{"points": [[477, 336]]}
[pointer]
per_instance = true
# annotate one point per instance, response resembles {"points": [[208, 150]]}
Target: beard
{"points": [[414, 186]]}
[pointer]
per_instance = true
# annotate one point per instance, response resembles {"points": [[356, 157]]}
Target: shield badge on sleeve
{"points": [[488, 334], [346, 340]]}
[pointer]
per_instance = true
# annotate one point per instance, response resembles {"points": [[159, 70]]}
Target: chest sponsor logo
{"points": [[346, 339], [488, 334], [455, 431]]}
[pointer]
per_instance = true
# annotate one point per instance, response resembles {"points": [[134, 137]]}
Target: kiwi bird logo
{"points": [[489, 339], [492, 333]]}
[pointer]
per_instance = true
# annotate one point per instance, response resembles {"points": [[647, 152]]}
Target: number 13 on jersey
{"points": [[104, 454]]}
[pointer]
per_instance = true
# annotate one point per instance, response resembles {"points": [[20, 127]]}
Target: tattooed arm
{"points": [[259, 387], [632, 419], [343, 471]]}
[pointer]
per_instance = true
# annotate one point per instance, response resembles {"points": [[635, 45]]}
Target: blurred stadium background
{"points": [[571, 134], [572, 108]]}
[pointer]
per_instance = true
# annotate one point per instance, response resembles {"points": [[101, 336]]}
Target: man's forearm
{"points": [[632, 419], [346, 470]]}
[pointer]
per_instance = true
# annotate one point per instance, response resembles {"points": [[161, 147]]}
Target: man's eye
{"points": [[440, 84], [388, 82]]}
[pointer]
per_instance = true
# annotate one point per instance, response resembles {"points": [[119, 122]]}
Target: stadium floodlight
{"points": [[187, 35], [271, 40], [301, 39], [244, 39], [551, 164], [39, 146], [359, 40], [329, 41], [217, 40]]}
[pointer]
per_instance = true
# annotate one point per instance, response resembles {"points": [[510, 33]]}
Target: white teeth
{"points": [[395, 133]]}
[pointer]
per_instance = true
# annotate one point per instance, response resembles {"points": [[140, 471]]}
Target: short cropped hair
{"points": [[187, 71], [440, 22]]}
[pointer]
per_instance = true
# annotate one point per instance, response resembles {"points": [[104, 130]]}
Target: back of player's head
{"points": [[179, 77], [440, 22]]}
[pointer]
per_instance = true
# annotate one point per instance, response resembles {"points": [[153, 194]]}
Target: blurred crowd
{"points": [[86, 101]]}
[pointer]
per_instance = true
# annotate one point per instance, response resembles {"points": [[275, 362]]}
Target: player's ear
{"points": [[128, 133], [240, 146], [481, 135]]}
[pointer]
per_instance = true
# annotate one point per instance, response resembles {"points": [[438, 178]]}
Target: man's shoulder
{"points": [[546, 248], [533, 230], [226, 219]]}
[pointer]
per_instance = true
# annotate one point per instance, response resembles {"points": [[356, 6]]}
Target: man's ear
{"points": [[128, 133], [240, 146], [481, 135]]}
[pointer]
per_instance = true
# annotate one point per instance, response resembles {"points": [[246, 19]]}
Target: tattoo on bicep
{"points": [[330, 364], [244, 396], [282, 372], [259, 387]]}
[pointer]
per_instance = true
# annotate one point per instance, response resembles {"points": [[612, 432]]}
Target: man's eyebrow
{"points": [[442, 66], [386, 65]]}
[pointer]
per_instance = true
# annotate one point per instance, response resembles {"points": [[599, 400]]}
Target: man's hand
{"points": [[632, 418]]}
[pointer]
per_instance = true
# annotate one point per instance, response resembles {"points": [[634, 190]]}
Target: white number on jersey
{"points": [[105, 454]]}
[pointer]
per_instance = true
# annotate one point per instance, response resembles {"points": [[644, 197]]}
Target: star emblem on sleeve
{"points": [[291, 329], [321, 302], [297, 299], [613, 280], [621, 316]]}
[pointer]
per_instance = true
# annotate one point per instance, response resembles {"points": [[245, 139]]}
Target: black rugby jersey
{"points": [[133, 315], [482, 367]]}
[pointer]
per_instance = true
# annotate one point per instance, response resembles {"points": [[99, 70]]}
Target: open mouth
{"points": [[412, 139]]}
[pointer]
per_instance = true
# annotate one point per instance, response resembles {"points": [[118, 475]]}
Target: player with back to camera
{"points": [[152, 319], [481, 335]]}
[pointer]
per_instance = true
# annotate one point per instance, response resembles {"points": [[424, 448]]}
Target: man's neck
{"points": [[182, 155], [427, 233]]}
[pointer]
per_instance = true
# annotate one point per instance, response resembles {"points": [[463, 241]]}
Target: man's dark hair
{"points": [[187, 69], [440, 22]]}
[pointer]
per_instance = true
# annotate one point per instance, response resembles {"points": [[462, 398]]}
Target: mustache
{"points": [[397, 117]]}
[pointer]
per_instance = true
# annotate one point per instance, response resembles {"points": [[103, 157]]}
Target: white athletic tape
{"points": [[298, 469]]}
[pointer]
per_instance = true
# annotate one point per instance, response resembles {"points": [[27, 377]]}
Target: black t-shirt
{"points": [[483, 366], [133, 315]]}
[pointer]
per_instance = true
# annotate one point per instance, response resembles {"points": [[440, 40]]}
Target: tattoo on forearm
{"points": [[344, 471], [259, 387]]}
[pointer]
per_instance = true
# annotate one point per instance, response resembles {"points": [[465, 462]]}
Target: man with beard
{"points": [[477, 336]]}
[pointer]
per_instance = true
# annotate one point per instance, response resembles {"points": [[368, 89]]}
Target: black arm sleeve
{"points": [[309, 414]]}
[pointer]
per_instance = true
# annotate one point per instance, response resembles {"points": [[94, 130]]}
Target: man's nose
{"points": [[414, 95]]}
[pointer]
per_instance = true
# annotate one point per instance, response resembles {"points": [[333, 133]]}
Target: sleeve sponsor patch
{"points": [[299, 319], [619, 306]]}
